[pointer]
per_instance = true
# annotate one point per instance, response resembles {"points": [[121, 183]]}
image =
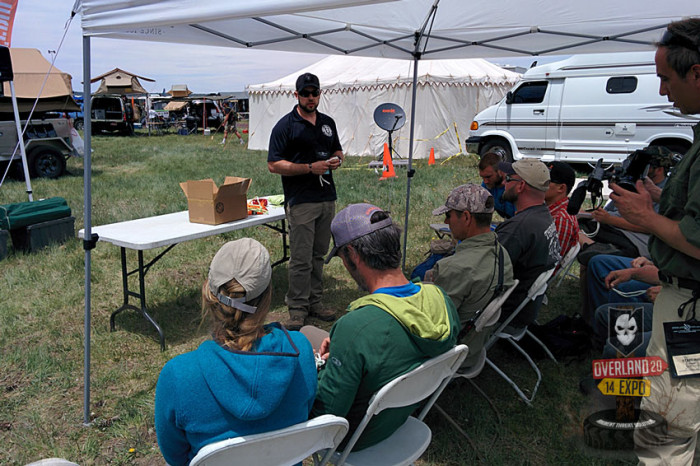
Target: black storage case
{"points": [[39, 235]]}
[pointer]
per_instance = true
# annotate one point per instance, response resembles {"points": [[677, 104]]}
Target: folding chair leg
{"points": [[517, 389], [460, 430], [493, 406], [544, 347]]}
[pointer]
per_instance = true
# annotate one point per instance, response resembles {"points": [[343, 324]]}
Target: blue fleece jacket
{"points": [[212, 393]]}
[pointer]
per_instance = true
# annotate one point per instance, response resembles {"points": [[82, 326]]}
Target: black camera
{"points": [[632, 169]]}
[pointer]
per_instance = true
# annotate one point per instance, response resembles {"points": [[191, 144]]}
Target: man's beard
{"points": [[352, 269], [509, 195], [306, 109]]}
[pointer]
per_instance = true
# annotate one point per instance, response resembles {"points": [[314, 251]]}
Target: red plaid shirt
{"points": [[566, 224]]}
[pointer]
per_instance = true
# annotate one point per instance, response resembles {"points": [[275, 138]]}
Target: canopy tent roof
{"points": [[119, 81], [30, 70], [388, 29], [343, 74], [179, 90]]}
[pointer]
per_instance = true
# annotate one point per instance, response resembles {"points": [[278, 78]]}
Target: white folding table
{"points": [[167, 231]]}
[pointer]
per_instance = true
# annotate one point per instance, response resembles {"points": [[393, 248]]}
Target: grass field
{"points": [[42, 306]]}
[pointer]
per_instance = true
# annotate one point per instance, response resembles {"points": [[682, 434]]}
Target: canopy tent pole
{"points": [[416, 56], [20, 141], [88, 241]]}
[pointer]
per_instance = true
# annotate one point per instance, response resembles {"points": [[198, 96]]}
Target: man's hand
{"points": [[641, 261], [654, 191], [636, 208], [616, 277], [601, 215], [325, 349], [653, 292]]}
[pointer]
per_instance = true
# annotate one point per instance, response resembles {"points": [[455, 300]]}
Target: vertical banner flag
{"points": [[7, 17]]}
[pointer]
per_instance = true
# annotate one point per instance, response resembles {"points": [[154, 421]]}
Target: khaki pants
{"points": [[309, 238], [676, 399]]}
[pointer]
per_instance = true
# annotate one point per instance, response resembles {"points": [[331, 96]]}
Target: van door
{"points": [[524, 115]]}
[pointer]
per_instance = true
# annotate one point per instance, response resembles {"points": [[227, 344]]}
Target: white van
{"points": [[581, 109]]}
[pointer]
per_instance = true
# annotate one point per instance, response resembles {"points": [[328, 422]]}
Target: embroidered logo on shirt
{"points": [[327, 131], [336, 361]]}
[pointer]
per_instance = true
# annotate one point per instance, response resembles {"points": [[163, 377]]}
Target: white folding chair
{"points": [[281, 447], [488, 317], [565, 265], [535, 293], [411, 439]]}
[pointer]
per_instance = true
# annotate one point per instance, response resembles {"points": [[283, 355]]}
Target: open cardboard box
{"points": [[211, 205]]}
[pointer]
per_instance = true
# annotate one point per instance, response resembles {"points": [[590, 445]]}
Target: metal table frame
{"points": [[168, 231]]}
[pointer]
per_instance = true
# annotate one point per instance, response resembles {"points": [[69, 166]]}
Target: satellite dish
{"points": [[389, 117]]}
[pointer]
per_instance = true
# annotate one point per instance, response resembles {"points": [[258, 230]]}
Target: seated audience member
{"points": [[470, 276], [614, 235], [562, 180], [530, 237], [386, 333], [494, 182], [250, 378], [629, 291], [644, 271]]}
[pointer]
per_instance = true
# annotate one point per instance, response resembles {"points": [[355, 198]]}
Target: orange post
{"points": [[388, 170], [431, 159]]}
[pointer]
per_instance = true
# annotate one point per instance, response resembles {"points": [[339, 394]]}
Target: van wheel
{"points": [[673, 146], [78, 124], [497, 145], [46, 162]]}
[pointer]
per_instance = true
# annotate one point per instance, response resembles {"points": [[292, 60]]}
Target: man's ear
{"points": [[694, 74]]}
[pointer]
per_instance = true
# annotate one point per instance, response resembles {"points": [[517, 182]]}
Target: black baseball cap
{"points": [[307, 80], [562, 173]]}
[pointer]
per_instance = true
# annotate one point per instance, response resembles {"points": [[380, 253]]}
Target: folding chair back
{"points": [[565, 265], [286, 446], [413, 437], [492, 311]]}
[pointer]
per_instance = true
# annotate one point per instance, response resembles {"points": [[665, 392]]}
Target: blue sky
{"points": [[40, 24]]}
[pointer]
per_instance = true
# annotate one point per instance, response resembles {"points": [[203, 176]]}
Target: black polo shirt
{"points": [[298, 141]]}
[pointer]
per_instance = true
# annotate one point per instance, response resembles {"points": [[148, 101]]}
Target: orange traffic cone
{"points": [[431, 159], [388, 170]]}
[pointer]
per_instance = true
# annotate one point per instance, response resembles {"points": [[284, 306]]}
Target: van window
{"points": [[530, 93], [621, 85]]}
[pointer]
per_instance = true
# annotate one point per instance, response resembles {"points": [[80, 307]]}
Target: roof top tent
{"points": [[418, 29]]}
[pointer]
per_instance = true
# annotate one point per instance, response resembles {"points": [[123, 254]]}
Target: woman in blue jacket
{"points": [[249, 378]]}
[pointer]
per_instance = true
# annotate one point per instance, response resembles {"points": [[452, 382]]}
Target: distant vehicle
{"points": [[582, 109], [77, 117], [47, 143], [214, 114], [110, 113]]}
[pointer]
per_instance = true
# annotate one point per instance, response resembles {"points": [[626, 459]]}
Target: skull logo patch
{"points": [[625, 327]]}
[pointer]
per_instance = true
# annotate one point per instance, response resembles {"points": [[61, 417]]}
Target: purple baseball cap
{"points": [[353, 222]]}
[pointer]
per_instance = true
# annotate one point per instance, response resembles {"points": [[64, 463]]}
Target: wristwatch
{"points": [[311, 169]]}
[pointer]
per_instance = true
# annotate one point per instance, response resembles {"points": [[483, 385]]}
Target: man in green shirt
{"points": [[675, 249], [470, 275], [387, 333]]}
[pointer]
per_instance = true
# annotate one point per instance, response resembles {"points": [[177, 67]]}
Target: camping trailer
{"points": [[581, 109]]}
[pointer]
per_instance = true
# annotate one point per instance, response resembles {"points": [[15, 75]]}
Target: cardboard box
{"points": [[211, 205]]}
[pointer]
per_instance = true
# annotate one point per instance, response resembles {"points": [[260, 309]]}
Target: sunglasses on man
{"points": [[510, 178], [307, 93], [670, 38]]}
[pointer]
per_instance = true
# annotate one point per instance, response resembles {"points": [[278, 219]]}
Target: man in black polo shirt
{"points": [[305, 149]]}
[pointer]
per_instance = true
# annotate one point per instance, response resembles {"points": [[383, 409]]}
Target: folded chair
{"points": [[281, 447], [536, 294], [409, 442], [565, 265]]}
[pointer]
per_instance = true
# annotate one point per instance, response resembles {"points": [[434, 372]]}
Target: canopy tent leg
{"points": [[89, 241], [20, 141]]}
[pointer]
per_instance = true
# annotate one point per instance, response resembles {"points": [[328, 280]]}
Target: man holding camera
{"points": [[675, 249], [305, 149]]}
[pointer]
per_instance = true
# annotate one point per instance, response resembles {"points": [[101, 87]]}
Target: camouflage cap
{"points": [[661, 156], [470, 198]]}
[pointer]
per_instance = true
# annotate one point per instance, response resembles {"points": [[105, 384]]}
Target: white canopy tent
{"points": [[407, 29], [449, 94]]}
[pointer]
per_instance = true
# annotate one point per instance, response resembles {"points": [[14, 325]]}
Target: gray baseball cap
{"points": [[353, 222], [470, 198], [247, 261], [534, 172]]}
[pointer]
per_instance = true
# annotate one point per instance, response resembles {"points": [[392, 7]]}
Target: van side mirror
{"points": [[509, 97]]}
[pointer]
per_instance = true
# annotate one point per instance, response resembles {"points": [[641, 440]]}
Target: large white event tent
{"points": [[406, 29], [449, 94]]}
